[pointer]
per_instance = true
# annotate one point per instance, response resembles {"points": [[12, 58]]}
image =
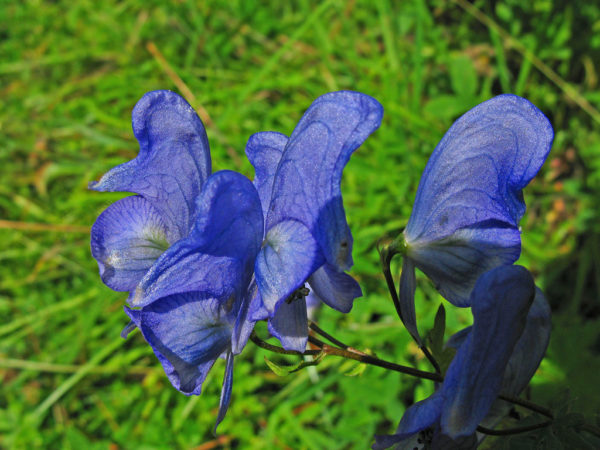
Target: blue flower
{"points": [[307, 238], [500, 352], [466, 214], [196, 297], [184, 246], [167, 176]]}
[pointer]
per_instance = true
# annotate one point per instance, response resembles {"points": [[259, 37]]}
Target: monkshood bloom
{"points": [[168, 174], [195, 298], [307, 238], [466, 214], [525, 360], [500, 352]]}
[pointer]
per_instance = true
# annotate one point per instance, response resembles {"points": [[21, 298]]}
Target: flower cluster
{"points": [[463, 233], [204, 257]]}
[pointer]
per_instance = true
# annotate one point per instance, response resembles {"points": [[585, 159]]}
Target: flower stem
{"points": [[367, 359], [515, 430], [350, 353], [313, 326], [273, 348], [527, 404], [386, 254]]}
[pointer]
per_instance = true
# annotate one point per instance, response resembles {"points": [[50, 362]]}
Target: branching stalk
{"points": [[386, 254], [515, 430], [350, 353]]}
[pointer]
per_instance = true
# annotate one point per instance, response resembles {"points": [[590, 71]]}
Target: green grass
{"points": [[70, 73]]}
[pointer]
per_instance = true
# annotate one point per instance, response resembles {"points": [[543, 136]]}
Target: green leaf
{"points": [[353, 368], [435, 340], [284, 370], [463, 76], [444, 107]]}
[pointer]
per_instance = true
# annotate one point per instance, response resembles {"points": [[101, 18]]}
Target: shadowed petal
{"points": [[225, 390], [526, 357], [419, 416], [408, 286], [173, 162], [307, 182], [530, 348], [187, 333], [244, 322], [288, 257], [136, 316], [455, 263], [126, 239], [218, 256], [336, 289], [290, 325], [501, 300], [264, 152]]}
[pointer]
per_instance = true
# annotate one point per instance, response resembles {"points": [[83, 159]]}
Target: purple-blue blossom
{"points": [[184, 246], [500, 352], [465, 219], [196, 297], [307, 238], [167, 175]]}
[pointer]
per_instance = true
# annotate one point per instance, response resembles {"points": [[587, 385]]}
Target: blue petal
{"points": [[442, 442], [421, 415], [408, 286], [526, 357], [313, 303], [336, 289], [418, 417], [474, 180], [455, 263], [307, 182], [480, 167], [218, 255], [230, 220], [244, 322], [288, 257], [290, 325], [530, 348], [225, 391], [458, 338], [501, 301], [185, 268], [126, 240], [173, 162], [257, 310], [264, 152], [187, 333], [412, 442], [128, 329]]}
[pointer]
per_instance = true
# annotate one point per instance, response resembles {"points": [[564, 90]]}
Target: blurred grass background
{"points": [[70, 73]]}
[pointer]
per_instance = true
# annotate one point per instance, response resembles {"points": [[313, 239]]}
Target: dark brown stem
{"points": [[386, 258], [350, 353], [515, 430], [590, 429], [367, 359], [313, 326], [273, 348], [386, 254], [527, 404]]}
